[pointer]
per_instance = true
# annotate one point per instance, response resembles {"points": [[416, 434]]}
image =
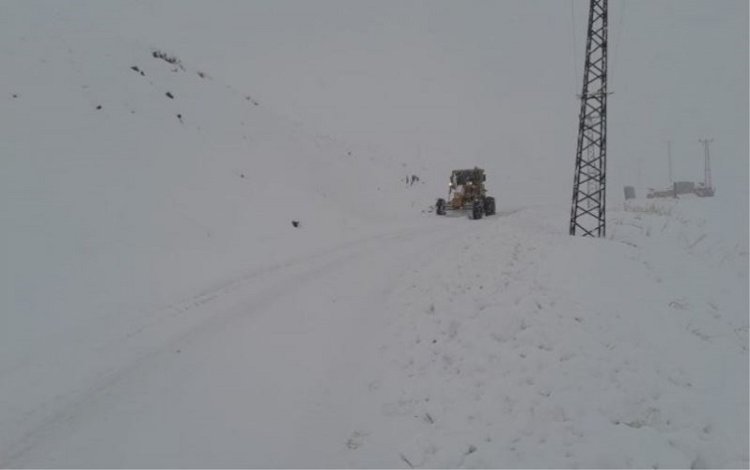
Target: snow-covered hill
{"points": [[159, 309], [129, 182]]}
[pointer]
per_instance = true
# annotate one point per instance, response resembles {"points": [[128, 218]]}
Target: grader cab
{"points": [[466, 193]]}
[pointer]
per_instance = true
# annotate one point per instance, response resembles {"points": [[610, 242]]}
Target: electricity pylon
{"points": [[707, 183], [588, 209]]}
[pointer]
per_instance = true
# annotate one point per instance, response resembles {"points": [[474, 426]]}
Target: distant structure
{"points": [[669, 160], [707, 190], [677, 188], [629, 192], [588, 207]]}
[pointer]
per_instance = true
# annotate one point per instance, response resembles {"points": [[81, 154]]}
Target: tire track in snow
{"points": [[141, 346]]}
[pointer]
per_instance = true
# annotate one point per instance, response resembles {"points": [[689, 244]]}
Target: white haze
{"points": [[159, 309]]}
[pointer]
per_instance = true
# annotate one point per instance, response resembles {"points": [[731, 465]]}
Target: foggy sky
{"points": [[486, 82]]}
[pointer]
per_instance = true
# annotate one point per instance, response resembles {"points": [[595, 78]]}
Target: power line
{"points": [[616, 49], [573, 33]]}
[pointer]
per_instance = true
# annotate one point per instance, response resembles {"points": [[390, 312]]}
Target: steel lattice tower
{"points": [[589, 187], [707, 164]]}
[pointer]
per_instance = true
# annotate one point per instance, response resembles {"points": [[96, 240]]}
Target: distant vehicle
{"points": [[702, 191], [682, 187], [652, 193], [466, 192]]}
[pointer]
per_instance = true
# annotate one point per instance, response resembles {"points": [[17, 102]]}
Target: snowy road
{"points": [[447, 343], [261, 371]]}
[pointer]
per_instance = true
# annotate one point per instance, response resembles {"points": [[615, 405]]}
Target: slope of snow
{"points": [[119, 201], [111, 211]]}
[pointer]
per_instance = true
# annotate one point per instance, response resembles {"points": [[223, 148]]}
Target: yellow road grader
{"points": [[466, 193]]}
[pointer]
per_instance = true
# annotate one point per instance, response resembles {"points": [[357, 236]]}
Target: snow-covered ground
{"points": [[519, 346], [430, 345], [160, 310]]}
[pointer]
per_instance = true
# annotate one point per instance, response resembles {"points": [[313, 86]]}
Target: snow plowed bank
{"points": [[528, 348]]}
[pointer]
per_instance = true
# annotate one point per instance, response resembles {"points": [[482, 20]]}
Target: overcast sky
{"points": [[489, 82]]}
